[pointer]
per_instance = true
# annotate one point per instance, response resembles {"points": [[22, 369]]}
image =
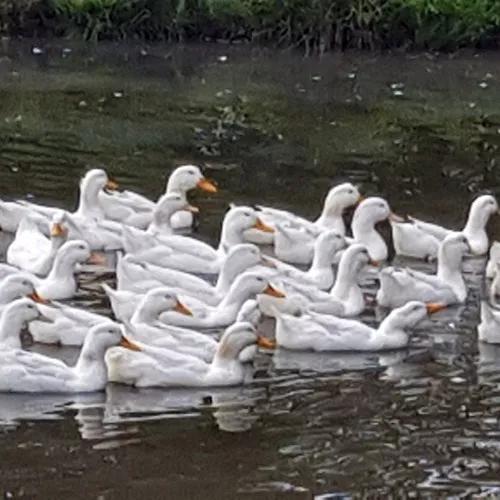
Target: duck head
{"points": [[238, 338], [236, 221], [326, 245], [158, 301], [249, 284], [373, 210], [167, 205], [58, 229], [411, 314], [103, 336], [341, 197], [452, 249], [188, 177], [16, 286]]}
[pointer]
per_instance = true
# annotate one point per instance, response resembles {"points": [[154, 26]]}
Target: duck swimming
{"points": [[421, 239], [448, 286], [133, 209], [318, 332], [31, 250], [149, 368], [23, 371]]}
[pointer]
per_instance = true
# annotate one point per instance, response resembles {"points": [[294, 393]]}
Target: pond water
{"points": [[422, 130]]}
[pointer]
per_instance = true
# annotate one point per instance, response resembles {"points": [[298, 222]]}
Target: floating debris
{"points": [[316, 78], [397, 86], [36, 51], [483, 85], [222, 59], [351, 76], [118, 94]]}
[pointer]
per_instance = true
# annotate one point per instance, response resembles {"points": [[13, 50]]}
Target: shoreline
{"points": [[314, 27]]}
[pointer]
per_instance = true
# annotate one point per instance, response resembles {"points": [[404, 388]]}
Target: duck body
{"points": [[488, 329], [64, 325], [447, 286], [319, 332], [31, 250], [23, 371]]}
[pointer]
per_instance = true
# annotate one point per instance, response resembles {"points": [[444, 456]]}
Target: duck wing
{"points": [[438, 232]]}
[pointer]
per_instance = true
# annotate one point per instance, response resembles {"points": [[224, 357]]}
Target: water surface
{"points": [[422, 130]]}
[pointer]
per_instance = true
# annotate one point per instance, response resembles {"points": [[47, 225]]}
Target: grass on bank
{"points": [[315, 25]]}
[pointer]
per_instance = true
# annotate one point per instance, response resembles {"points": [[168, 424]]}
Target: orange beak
{"points": [[360, 199], [58, 230], [263, 227], [112, 185], [434, 308], [193, 210], [375, 263], [38, 299], [128, 344], [265, 343], [96, 259], [182, 309], [270, 290], [206, 185], [395, 218]]}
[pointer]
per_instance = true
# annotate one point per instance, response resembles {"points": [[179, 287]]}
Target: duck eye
{"points": [[350, 191]]}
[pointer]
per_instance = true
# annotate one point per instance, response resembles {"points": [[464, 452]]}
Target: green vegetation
{"points": [[315, 25]]}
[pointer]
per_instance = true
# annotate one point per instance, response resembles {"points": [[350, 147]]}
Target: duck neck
{"points": [[144, 314], [91, 363], [89, 205], [390, 334], [450, 271], [161, 222], [476, 223], [174, 186], [63, 268], [229, 238], [226, 277], [331, 217], [321, 260], [346, 280], [11, 325]]}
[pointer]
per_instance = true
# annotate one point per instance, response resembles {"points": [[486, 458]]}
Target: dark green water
{"points": [[271, 128]]}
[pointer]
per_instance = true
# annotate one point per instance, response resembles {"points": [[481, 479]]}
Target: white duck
{"points": [[489, 329], [185, 253], [14, 316], [12, 213], [494, 260], [64, 325], [171, 369], [145, 326], [421, 239], [344, 299], [61, 283], [320, 274], [244, 287], [23, 371], [14, 287], [448, 286], [136, 210], [132, 273], [88, 222], [338, 199], [319, 332], [367, 214], [31, 250], [370, 211]]}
